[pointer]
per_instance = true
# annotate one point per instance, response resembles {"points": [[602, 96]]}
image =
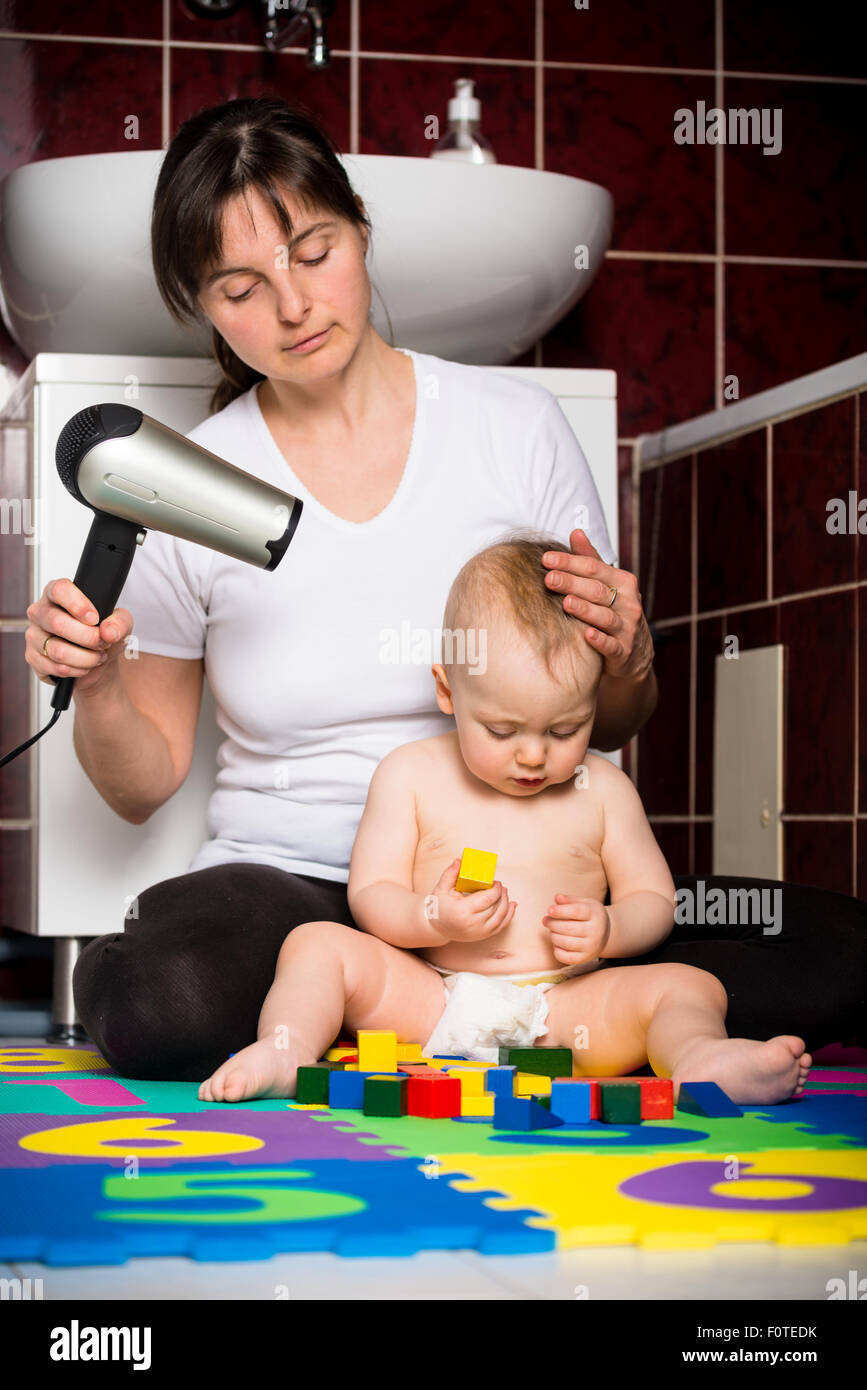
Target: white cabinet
{"points": [[89, 864]]}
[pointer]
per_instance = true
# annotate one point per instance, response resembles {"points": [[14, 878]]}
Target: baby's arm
{"points": [[642, 889], [380, 892]]}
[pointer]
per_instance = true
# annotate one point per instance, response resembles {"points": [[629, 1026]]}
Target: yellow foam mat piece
{"points": [[584, 1203]]}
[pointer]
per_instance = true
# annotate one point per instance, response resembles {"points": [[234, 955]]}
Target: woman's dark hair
{"points": [[258, 142]]}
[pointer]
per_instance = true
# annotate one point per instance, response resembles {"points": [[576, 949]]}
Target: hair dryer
{"points": [[136, 473]]}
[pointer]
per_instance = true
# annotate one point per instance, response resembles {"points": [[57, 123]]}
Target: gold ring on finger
{"points": [[613, 595]]}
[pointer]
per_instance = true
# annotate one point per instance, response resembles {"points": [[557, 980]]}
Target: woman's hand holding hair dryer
{"points": [[63, 640]]}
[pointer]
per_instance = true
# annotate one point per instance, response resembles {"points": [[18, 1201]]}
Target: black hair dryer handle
{"points": [[101, 574]]}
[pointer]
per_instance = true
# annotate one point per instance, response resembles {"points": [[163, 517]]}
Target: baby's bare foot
{"points": [[750, 1072], [261, 1070]]}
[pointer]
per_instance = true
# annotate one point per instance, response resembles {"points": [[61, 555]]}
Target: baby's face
{"points": [[519, 730]]}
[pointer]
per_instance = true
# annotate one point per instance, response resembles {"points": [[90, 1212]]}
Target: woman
{"points": [[407, 465]]}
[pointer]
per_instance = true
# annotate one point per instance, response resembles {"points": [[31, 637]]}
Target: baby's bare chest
{"points": [[541, 848]]}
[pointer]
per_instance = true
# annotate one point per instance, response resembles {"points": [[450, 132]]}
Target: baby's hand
{"points": [[469, 916], [579, 927]]}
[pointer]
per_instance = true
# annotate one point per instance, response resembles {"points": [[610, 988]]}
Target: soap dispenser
{"points": [[463, 140]]}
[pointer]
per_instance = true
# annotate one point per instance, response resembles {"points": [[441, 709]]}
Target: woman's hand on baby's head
{"points": [[470, 916]]}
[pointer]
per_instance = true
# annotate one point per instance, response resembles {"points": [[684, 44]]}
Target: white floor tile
{"points": [[748, 1272], [430, 1275]]}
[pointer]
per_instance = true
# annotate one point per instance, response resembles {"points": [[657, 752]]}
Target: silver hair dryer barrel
{"points": [[137, 474]]}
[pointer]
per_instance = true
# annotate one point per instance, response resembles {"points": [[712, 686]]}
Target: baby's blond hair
{"points": [[508, 578]]}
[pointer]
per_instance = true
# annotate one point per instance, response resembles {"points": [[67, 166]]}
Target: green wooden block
{"points": [[621, 1103], [311, 1083], [385, 1095], [541, 1061]]}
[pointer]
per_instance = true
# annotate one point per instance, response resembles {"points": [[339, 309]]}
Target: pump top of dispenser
{"points": [[463, 106]]}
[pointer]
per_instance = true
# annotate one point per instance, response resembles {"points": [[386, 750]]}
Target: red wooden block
{"points": [[433, 1097]]}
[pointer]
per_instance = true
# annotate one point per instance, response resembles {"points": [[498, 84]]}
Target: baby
{"points": [[521, 963]]}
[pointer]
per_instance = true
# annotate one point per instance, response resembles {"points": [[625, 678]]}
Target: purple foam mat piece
{"points": [[287, 1137]]}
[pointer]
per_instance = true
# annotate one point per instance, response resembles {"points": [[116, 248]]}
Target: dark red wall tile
{"points": [[782, 322], [752, 627], [484, 29], [663, 743], [861, 487], [802, 201], [819, 854], [703, 848], [617, 129], [861, 610], [673, 840], [732, 523], [793, 36], [16, 683], [709, 634], [16, 880], [624, 506], [813, 463], [679, 33], [652, 323], [91, 17], [207, 77], [665, 579], [819, 636], [102, 84], [397, 100], [861, 847]]}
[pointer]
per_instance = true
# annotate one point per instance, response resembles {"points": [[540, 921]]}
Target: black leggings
{"points": [[182, 985]]}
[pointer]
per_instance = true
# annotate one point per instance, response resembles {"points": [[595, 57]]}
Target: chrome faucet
{"points": [[311, 12]]}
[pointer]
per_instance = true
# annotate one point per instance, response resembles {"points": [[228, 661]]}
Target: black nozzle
{"points": [[89, 427]]}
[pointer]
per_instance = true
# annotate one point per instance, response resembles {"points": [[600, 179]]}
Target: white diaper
{"points": [[486, 1012]]}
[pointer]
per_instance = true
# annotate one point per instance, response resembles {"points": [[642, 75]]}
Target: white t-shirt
{"points": [[322, 666]]}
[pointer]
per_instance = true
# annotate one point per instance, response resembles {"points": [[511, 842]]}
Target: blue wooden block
{"points": [[706, 1098], [346, 1089], [522, 1112], [500, 1080], [570, 1100]]}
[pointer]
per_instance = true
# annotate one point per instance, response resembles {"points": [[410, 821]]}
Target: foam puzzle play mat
{"points": [[383, 1152]]}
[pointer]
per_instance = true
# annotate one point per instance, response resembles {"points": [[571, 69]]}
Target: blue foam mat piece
{"points": [[74, 1216]]}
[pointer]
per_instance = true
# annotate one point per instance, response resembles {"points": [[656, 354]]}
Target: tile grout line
{"points": [[763, 603], [769, 509], [693, 654], [166, 74], [719, 220], [539, 123], [32, 36], [354, 84], [856, 738]]}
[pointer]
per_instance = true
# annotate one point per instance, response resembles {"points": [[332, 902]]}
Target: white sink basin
{"points": [[473, 262]]}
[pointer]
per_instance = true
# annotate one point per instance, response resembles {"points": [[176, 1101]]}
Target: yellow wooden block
{"points": [[527, 1083], [377, 1050], [337, 1054], [476, 871], [472, 1080], [409, 1052], [478, 1104]]}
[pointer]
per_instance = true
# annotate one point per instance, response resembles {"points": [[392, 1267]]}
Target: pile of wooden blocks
{"points": [[530, 1088]]}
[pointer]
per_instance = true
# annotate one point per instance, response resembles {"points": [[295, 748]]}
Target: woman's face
{"points": [[265, 297]]}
